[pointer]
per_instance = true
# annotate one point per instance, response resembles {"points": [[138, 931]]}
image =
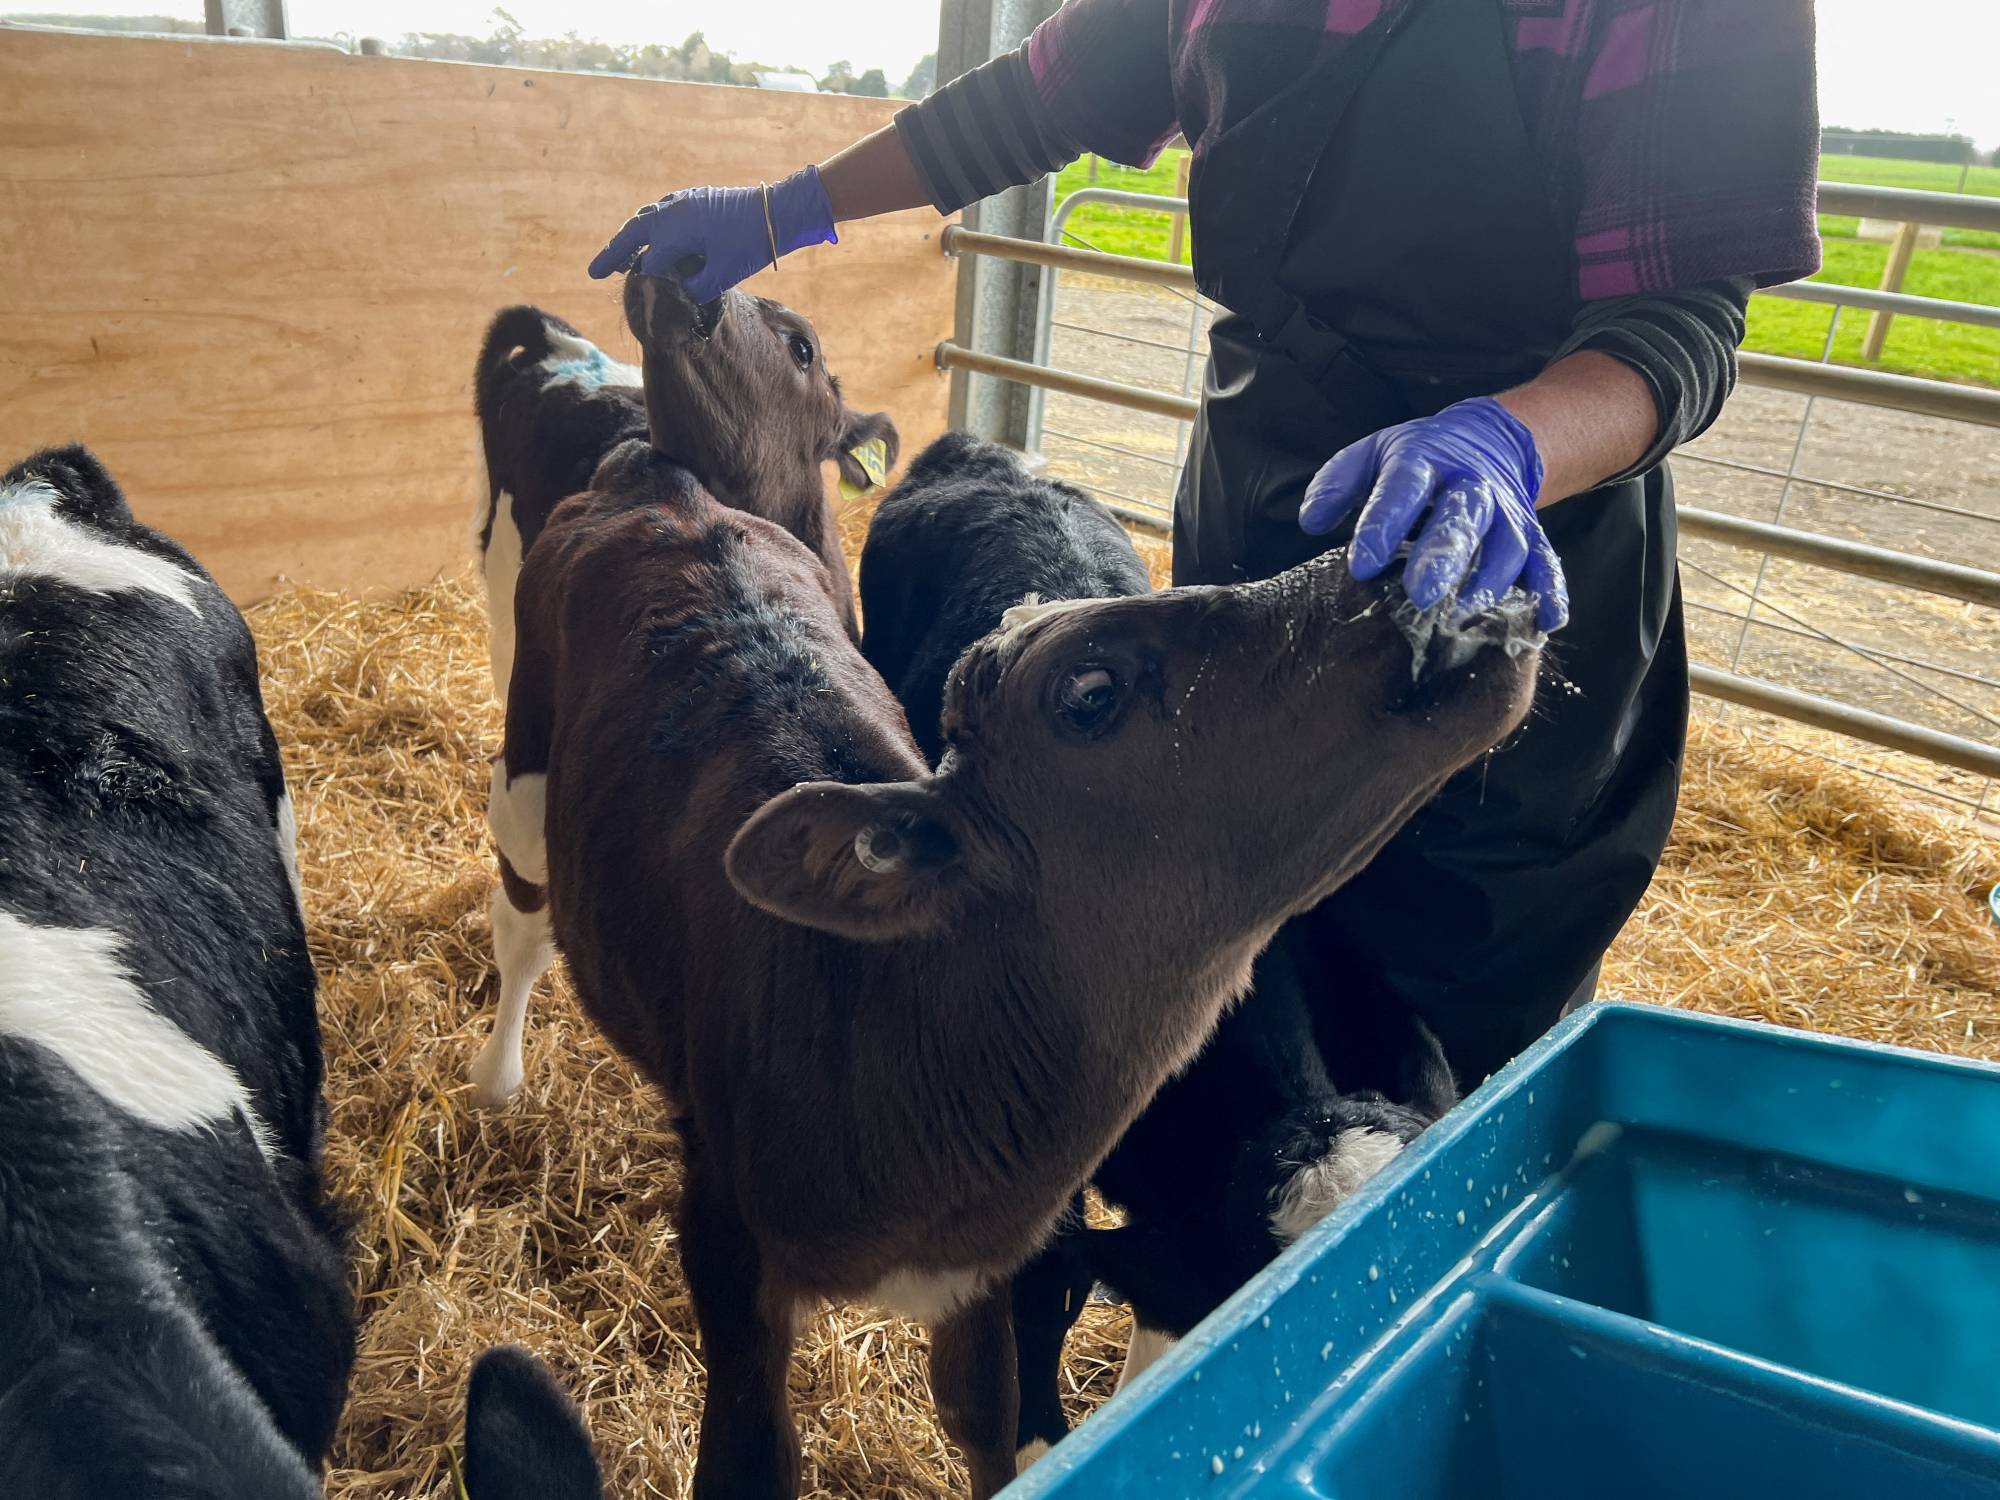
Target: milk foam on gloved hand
{"points": [[1459, 489]]}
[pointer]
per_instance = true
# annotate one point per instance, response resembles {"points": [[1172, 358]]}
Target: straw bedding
{"points": [[1794, 892]]}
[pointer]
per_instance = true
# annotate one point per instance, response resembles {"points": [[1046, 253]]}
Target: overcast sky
{"points": [[1924, 65]]}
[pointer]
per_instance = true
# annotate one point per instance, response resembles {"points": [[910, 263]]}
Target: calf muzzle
{"points": [[663, 317], [1446, 636]]}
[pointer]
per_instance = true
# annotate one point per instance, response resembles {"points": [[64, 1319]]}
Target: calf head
{"points": [[63, 518], [738, 391], [1173, 774], [524, 1438]]}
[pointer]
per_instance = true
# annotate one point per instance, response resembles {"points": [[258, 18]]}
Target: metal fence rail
{"points": [[1844, 718], [1951, 580], [1814, 380], [1868, 299], [952, 356], [1935, 398], [1929, 398], [1910, 205]]}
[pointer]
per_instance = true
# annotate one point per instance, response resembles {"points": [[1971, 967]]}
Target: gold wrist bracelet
{"points": [[769, 228]]}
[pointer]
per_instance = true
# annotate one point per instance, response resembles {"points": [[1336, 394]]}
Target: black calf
{"points": [[964, 538]]}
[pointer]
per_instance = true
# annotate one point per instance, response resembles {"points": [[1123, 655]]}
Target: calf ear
{"points": [[79, 477], [864, 862], [863, 428], [524, 1440]]}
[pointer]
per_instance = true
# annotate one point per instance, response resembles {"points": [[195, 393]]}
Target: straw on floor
{"points": [[1794, 892]]}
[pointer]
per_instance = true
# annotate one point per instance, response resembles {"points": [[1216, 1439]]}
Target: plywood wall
{"points": [[255, 278]]}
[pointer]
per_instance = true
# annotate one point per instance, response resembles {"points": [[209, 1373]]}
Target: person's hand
{"points": [[1474, 470], [724, 229]]}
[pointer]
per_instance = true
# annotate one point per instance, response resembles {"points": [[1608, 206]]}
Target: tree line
{"points": [[1909, 145], [507, 44]]}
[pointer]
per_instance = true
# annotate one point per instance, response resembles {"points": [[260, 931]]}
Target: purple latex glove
{"points": [[1473, 467], [724, 229]]}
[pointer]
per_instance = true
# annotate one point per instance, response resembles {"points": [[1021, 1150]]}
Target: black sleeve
{"points": [[982, 132], [1097, 75], [1684, 344]]}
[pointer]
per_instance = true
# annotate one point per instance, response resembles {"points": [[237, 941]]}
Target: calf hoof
{"points": [[496, 1075], [1026, 1457]]}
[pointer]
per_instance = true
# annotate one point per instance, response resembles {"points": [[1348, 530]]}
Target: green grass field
{"points": [[1965, 268]]}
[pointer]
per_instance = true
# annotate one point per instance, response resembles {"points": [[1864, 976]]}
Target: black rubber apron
{"points": [[1384, 237]]}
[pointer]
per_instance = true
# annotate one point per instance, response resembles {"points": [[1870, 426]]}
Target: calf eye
{"points": [[1086, 697], [802, 351]]}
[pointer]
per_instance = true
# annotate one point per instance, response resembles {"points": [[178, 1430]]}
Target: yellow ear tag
{"points": [[873, 456]]}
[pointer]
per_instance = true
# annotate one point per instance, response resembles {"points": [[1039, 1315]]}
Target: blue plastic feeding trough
{"points": [[1661, 1255]]}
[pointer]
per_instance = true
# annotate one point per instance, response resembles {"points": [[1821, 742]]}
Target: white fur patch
{"points": [[579, 360], [1318, 1187], [65, 989], [38, 541], [500, 566], [1033, 607], [1025, 1458], [1146, 1346], [517, 815], [523, 949], [288, 848], [927, 1296]]}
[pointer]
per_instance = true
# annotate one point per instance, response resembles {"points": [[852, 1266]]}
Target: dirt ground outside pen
{"points": [[1133, 458], [1793, 892]]}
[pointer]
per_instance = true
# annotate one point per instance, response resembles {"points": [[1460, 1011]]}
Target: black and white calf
{"points": [[1253, 1143], [174, 1318], [550, 404]]}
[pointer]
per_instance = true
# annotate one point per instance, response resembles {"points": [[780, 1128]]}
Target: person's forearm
{"points": [[872, 176], [1592, 416]]}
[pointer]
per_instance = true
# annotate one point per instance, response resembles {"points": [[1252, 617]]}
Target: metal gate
{"points": [[1971, 693]]}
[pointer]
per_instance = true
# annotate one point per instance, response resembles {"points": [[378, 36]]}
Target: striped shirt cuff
{"points": [[983, 132]]}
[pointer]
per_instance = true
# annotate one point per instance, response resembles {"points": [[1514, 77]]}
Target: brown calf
{"points": [[737, 391], [900, 1016]]}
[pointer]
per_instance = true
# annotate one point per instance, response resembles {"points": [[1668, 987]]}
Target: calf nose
{"points": [[659, 311], [1447, 635]]}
